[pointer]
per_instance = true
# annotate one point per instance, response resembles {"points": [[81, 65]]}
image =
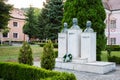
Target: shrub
{"points": [[15, 71], [48, 56], [114, 59], [56, 54], [25, 55], [41, 44], [55, 45], [113, 47]]}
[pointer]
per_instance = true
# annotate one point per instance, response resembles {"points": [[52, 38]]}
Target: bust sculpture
{"points": [[75, 24], [88, 25], [65, 28]]}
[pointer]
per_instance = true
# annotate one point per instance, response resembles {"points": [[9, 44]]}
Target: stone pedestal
{"points": [[94, 67], [74, 42], [88, 46], [62, 44]]}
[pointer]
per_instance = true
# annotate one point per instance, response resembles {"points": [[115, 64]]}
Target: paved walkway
{"points": [[115, 75]]}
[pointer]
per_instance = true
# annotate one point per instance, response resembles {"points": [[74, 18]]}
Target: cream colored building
{"points": [[15, 25]]}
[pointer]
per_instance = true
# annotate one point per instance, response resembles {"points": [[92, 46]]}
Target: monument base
{"points": [[94, 67]]}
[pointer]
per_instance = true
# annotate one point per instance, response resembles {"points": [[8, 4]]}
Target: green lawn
{"points": [[10, 53], [113, 53]]}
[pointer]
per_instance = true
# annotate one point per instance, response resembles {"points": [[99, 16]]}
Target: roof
{"points": [[17, 13], [112, 5]]}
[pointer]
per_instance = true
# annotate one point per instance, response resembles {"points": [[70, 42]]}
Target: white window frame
{"points": [[7, 35], [17, 24], [17, 35], [112, 24], [113, 41]]}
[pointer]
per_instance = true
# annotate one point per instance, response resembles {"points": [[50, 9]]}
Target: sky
{"points": [[26, 3]]}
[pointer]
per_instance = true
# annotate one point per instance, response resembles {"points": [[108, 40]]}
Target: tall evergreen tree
{"points": [[84, 10], [43, 24], [4, 14], [30, 27], [53, 13]]}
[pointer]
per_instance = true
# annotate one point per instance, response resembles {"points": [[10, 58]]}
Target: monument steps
{"points": [[94, 67]]}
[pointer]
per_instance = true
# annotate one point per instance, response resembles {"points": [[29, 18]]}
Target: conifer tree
{"points": [[25, 55], [48, 56], [30, 27], [53, 14], [85, 10]]}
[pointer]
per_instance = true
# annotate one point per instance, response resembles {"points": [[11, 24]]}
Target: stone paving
{"points": [[114, 75]]}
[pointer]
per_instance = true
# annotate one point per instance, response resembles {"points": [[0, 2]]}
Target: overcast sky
{"points": [[26, 3]]}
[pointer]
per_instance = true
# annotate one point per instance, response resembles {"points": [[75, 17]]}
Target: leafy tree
{"points": [[4, 14], [53, 13], [84, 10], [25, 55], [30, 27], [48, 56]]}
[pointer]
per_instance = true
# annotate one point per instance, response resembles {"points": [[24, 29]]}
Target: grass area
{"points": [[10, 53], [113, 53]]}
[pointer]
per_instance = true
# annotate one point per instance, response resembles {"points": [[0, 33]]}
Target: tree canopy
{"points": [[85, 10], [30, 27], [4, 14], [51, 19]]}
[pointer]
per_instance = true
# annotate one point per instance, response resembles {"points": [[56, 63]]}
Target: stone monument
{"points": [[62, 42], [88, 43], [74, 39], [82, 47]]}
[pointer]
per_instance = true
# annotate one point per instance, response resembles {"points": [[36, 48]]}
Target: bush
{"points": [[56, 54], [113, 47], [15, 71], [54, 44], [25, 55], [41, 44], [114, 59], [48, 56]]}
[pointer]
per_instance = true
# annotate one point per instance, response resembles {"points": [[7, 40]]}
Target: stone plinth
{"points": [[94, 67], [62, 42], [74, 42], [88, 46]]}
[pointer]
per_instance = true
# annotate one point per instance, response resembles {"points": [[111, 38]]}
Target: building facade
{"points": [[15, 26], [112, 31]]}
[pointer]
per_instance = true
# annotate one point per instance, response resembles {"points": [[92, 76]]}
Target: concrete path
{"points": [[115, 75]]}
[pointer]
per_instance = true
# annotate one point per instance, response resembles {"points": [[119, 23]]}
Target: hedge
{"points": [[15, 71], [114, 59], [54, 44], [113, 47]]}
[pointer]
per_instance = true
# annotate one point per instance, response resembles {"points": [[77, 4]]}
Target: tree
{"points": [[43, 24], [4, 14], [84, 10], [25, 55], [48, 56], [53, 13], [30, 27]]}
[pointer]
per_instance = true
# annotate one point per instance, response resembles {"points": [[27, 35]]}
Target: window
{"points": [[5, 34], [113, 24], [15, 24], [113, 40], [15, 35]]}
